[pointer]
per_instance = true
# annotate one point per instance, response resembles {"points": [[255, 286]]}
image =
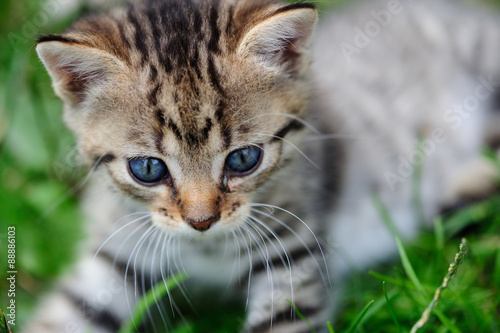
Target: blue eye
{"points": [[243, 161], [148, 170]]}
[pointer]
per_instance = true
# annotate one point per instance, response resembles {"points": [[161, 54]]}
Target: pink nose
{"points": [[203, 224]]}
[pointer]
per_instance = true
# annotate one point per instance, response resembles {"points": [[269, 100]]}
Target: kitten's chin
{"points": [[179, 228]]}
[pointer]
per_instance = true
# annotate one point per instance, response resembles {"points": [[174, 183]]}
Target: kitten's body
{"points": [[364, 114]]}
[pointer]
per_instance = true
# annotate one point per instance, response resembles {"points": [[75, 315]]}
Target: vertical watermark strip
{"points": [[11, 275]]}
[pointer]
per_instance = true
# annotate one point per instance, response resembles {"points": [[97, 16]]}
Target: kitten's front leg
{"points": [[93, 298], [272, 290]]}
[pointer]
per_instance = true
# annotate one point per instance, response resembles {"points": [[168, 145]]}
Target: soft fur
{"points": [[190, 82]]}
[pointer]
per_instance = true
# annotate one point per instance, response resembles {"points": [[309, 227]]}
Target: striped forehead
{"points": [[177, 46], [187, 107], [173, 34]]}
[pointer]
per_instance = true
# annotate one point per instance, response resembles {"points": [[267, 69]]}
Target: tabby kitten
{"points": [[209, 157]]}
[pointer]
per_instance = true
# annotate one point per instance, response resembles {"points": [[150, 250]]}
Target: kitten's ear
{"points": [[281, 40], [74, 67]]}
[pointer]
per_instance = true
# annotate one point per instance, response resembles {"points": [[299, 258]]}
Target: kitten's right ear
{"points": [[280, 41], [74, 66]]}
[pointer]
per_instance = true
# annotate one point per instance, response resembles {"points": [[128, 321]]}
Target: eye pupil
{"points": [[243, 161], [148, 170]]}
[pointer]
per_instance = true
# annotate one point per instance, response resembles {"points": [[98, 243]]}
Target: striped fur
{"points": [[189, 82]]}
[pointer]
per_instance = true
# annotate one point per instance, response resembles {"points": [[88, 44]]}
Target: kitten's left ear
{"points": [[75, 66], [281, 40]]}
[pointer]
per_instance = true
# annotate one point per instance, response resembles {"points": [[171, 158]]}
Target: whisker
{"points": [[144, 214], [338, 136], [152, 277], [308, 159], [307, 124], [173, 305], [143, 273], [118, 231], [180, 268], [288, 263], [264, 252], [249, 253], [71, 191], [136, 248], [313, 257], [237, 262], [268, 265]]}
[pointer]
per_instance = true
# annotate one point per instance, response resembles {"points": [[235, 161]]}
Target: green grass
{"points": [[471, 302], [39, 194]]}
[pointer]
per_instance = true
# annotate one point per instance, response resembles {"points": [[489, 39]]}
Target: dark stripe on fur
{"points": [[214, 76], [194, 62], [226, 136], [57, 38], [276, 261], [121, 29], [102, 318], [173, 127], [219, 113], [197, 21], [158, 137], [206, 130], [286, 317], [225, 129], [294, 125], [117, 265], [297, 5], [153, 73], [139, 35], [153, 95], [213, 44], [153, 18], [103, 159], [229, 25], [160, 116]]}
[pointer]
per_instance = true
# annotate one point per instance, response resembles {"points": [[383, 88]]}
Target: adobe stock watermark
{"points": [[71, 161], [30, 28], [11, 275], [453, 116], [363, 37]]}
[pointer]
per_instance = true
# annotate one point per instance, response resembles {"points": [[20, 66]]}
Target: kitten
{"points": [[215, 151]]}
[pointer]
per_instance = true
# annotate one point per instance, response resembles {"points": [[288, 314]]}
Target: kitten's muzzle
{"points": [[203, 225]]}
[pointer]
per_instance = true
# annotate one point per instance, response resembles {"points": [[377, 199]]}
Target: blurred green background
{"points": [[39, 188]]}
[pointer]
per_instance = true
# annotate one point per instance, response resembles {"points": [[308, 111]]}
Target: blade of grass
{"points": [[385, 216], [375, 308], [355, 324], [330, 327], [387, 278], [452, 270], [408, 268], [4, 323], [446, 322], [148, 300], [301, 316], [391, 310]]}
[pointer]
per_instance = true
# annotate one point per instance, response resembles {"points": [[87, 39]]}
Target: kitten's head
{"points": [[185, 103]]}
